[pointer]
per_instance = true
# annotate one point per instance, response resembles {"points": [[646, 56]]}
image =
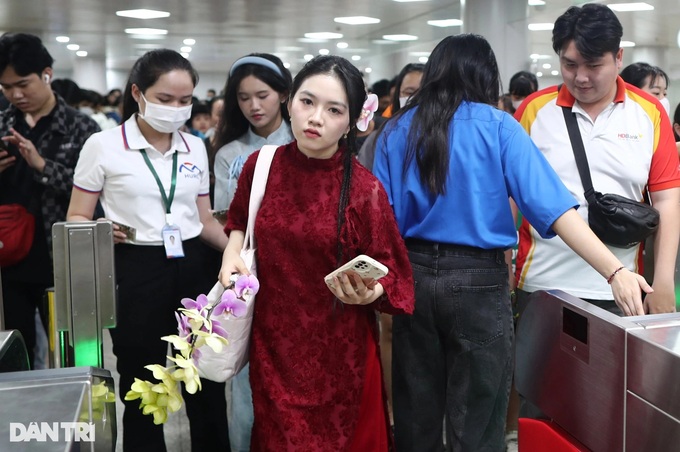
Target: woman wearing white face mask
{"points": [[522, 84], [651, 79], [406, 85], [151, 177]]}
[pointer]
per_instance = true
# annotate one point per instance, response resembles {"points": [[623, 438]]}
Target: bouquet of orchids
{"points": [[196, 328]]}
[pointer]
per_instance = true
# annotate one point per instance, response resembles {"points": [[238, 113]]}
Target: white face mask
{"points": [[403, 100], [666, 105], [517, 103], [163, 118]]}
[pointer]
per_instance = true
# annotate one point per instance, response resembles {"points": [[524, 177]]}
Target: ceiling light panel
{"points": [[547, 26], [143, 14], [626, 7], [146, 31], [357, 20], [323, 35], [400, 37], [445, 23]]}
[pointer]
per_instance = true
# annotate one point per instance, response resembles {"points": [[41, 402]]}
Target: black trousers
{"points": [[19, 301], [150, 289]]}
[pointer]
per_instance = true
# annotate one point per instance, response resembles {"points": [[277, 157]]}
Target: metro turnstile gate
{"points": [[57, 410], [611, 382], [84, 292]]}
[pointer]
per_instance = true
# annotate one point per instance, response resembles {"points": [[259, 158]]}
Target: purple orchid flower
{"points": [[217, 329], [198, 304], [230, 304], [246, 285], [182, 325], [196, 355]]}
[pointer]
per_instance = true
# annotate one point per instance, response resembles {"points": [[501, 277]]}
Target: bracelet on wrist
{"points": [[611, 277]]}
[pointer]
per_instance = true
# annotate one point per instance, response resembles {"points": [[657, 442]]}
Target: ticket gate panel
{"points": [[609, 381], [13, 354], [654, 367], [648, 428], [53, 400], [563, 357], [83, 310], [653, 390], [84, 292]]}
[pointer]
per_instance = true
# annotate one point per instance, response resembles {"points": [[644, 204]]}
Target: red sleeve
{"points": [[665, 171], [237, 217], [380, 239]]}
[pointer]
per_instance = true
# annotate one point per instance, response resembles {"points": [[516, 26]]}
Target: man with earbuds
{"points": [[41, 140]]}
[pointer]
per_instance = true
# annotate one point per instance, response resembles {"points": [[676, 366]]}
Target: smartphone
{"points": [[129, 231], [11, 150], [220, 216], [362, 265]]}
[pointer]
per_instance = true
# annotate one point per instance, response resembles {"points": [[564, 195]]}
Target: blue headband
{"points": [[255, 60]]}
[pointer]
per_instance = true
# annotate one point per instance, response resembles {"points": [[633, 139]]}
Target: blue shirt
{"points": [[491, 158]]}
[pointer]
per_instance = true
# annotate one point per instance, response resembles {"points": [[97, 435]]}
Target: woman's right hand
{"points": [[231, 263], [627, 288], [118, 235]]}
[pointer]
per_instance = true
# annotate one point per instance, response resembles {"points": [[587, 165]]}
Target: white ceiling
{"points": [[227, 29]]}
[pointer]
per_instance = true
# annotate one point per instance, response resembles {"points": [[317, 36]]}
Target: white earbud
{"points": [[47, 78]]}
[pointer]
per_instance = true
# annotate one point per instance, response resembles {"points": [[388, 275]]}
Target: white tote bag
{"points": [[222, 366]]}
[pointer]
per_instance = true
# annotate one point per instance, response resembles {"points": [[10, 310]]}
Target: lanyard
{"points": [[167, 201]]}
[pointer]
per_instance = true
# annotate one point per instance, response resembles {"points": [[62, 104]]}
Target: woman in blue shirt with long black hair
{"points": [[449, 161]]}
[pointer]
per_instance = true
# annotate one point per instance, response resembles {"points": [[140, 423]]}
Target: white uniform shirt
{"points": [[628, 147], [111, 164]]}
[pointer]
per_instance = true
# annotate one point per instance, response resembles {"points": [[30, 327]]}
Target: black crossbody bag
{"points": [[616, 220]]}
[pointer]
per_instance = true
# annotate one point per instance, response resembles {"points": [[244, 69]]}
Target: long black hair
{"points": [[637, 74], [351, 80], [233, 122], [460, 68], [148, 69]]}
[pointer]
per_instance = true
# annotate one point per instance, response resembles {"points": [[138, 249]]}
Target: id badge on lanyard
{"points": [[172, 239], [171, 233]]}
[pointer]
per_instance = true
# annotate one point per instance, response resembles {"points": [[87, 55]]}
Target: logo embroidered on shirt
{"points": [[190, 170], [629, 136]]}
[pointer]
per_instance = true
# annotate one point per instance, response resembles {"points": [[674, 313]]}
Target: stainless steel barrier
{"points": [[61, 410], [13, 354], [607, 380], [84, 291]]}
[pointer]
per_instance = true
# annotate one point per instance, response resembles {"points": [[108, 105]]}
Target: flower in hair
{"points": [[370, 106]]}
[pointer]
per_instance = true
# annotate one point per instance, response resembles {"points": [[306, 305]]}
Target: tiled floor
{"points": [[176, 428]]}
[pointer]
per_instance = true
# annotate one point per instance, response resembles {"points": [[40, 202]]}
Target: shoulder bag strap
{"points": [[579, 153], [264, 162]]}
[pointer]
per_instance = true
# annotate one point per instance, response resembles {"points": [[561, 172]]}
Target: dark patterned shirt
{"points": [[58, 137]]}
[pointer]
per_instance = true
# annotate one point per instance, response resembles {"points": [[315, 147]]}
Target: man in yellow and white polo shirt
{"points": [[630, 149]]}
